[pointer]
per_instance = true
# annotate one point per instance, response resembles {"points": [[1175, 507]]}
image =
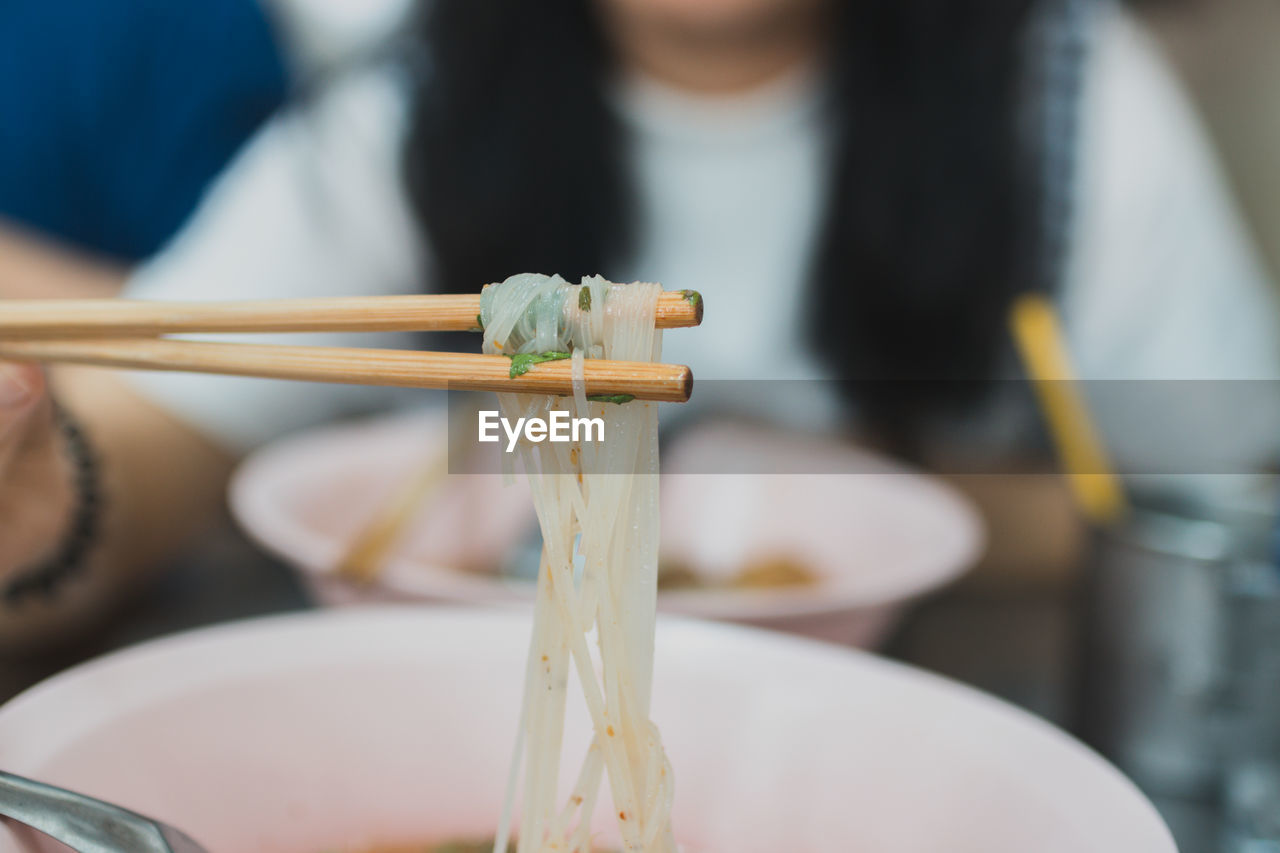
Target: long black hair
{"points": [[516, 162]]}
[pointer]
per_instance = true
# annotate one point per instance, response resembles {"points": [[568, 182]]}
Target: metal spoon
{"points": [[85, 824]]}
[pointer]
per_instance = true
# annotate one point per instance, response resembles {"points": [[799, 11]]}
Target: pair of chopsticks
{"points": [[129, 334], [1087, 466]]}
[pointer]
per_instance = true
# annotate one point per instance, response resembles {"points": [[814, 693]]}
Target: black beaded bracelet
{"points": [[71, 555]]}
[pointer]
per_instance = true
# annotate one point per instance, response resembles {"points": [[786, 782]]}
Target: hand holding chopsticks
{"points": [[124, 334]]}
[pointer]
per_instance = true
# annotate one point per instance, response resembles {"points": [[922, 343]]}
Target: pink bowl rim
{"points": [[44, 705], [280, 533]]}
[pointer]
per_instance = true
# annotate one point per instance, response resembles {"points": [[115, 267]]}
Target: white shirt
{"points": [[322, 36], [1162, 282]]}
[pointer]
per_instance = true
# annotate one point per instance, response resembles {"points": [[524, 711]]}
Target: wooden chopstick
{"points": [[122, 318], [397, 368]]}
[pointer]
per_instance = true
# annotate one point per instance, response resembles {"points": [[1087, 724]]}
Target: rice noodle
{"points": [[597, 506]]}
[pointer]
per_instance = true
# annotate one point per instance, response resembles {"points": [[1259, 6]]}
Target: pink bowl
{"points": [[332, 730], [876, 534]]}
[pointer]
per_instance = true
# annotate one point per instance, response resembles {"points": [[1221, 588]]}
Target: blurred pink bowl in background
{"points": [[876, 534], [337, 729]]}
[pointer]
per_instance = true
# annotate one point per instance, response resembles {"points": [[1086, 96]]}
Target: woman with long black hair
{"points": [[865, 185]]}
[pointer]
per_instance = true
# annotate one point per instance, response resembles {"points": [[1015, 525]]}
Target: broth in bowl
{"points": [[777, 572], [446, 847]]}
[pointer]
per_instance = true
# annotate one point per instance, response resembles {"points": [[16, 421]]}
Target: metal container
{"points": [[1251, 774], [1180, 671], [1154, 650]]}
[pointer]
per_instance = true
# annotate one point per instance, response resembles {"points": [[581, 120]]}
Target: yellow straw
{"points": [[1088, 469]]}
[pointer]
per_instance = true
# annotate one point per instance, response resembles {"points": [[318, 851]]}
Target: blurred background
{"points": [[1158, 640], [1223, 54]]}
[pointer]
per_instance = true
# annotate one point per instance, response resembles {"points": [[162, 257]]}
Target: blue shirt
{"points": [[116, 114]]}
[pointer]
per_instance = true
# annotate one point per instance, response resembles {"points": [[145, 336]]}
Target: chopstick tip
{"points": [[694, 298]]}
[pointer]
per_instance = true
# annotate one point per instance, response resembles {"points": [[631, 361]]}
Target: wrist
{"points": [[75, 492]]}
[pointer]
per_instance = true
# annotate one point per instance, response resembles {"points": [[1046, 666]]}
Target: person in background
{"points": [[117, 118], [865, 186]]}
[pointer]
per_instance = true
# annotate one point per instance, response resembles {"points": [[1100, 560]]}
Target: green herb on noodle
{"points": [[522, 361]]}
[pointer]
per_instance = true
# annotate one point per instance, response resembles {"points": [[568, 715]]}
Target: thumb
{"points": [[21, 389]]}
